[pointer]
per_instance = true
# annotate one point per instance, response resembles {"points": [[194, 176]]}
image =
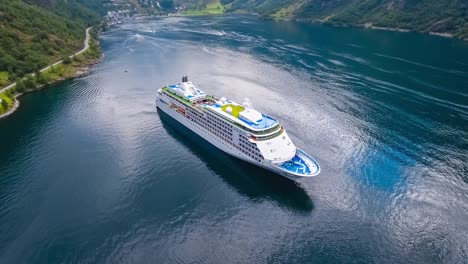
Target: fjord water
{"points": [[90, 172]]}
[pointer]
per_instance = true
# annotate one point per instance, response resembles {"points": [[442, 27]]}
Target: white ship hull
{"points": [[220, 144]]}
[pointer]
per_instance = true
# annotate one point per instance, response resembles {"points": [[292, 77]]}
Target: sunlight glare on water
{"points": [[91, 172]]}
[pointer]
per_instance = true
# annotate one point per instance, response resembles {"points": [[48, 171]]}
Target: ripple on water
{"points": [[91, 172]]}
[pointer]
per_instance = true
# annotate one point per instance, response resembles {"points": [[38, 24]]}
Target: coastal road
{"points": [[86, 47]]}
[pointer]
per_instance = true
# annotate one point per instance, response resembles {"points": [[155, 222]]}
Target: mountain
{"points": [[38, 32], [447, 16], [439, 16]]}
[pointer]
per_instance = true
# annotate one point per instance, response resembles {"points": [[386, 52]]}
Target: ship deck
{"points": [[301, 165], [265, 123], [212, 103], [297, 165]]}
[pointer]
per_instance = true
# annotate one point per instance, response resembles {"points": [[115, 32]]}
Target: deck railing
{"points": [[167, 91]]}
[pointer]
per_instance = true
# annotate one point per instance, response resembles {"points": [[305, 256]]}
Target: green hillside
{"points": [[200, 7], [447, 16], [38, 32]]}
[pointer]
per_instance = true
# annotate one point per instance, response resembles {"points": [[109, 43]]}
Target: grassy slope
{"points": [[8, 98], [203, 7], [263, 7], [287, 12]]}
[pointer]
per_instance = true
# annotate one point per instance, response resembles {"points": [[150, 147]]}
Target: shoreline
{"points": [[370, 26], [321, 21], [82, 71], [85, 48], [13, 109], [439, 34], [396, 29]]}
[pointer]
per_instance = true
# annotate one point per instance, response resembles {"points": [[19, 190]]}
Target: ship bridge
{"points": [[276, 149]]}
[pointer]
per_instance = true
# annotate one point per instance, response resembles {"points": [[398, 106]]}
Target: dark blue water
{"points": [[90, 172]]}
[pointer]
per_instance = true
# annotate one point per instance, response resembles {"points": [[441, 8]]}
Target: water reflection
{"points": [[249, 180], [89, 165]]}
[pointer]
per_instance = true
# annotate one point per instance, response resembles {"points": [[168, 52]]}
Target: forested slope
{"points": [[441, 16], [35, 33]]}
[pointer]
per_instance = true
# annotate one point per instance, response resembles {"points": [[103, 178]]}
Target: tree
{"points": [[33, 32], [9, 93], [12, 77], [40, 78], [67, 60], [30, 83], [4, 105], [20, 87]]}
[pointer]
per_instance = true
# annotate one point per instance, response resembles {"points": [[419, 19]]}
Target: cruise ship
{"points": [[237, 129]]}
